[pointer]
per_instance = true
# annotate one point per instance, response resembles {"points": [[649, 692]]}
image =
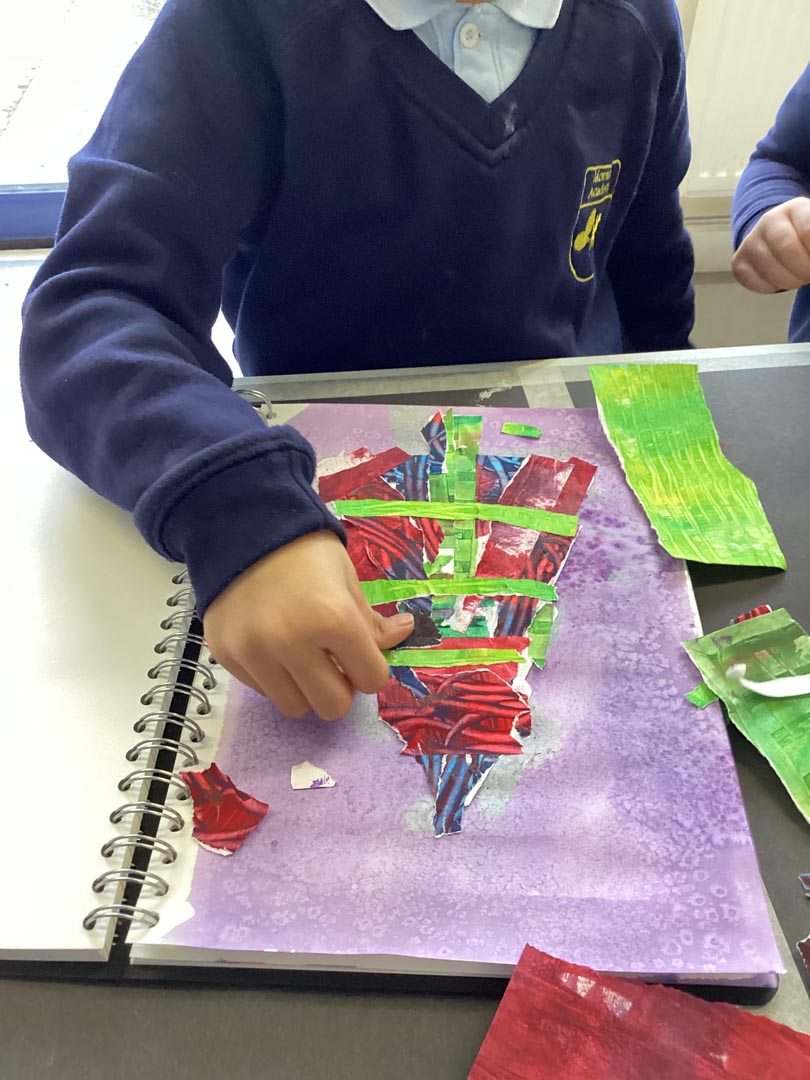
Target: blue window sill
{"points": [[29, 216]]}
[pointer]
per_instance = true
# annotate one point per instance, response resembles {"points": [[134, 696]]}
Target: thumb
{"points": [[391, 631]]}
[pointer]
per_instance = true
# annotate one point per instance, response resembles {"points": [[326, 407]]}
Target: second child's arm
{"points": [[771, 213]]}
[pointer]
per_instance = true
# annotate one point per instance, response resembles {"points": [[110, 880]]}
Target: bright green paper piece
{"points": [[464, 435], [386, 590], [451, 657], [771, 646], [526, 517], [701, 696], [699, 504], [525, 431], [539, 634]]}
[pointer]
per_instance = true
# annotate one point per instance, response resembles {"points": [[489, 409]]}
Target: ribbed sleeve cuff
{"points": [[227, 507], [759, 192]]}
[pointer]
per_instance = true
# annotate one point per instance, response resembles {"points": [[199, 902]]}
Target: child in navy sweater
{"points": [[771, 216], [357, 183]]}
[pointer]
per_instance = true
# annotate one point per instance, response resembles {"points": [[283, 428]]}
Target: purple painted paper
{"points": [[618, 840]]}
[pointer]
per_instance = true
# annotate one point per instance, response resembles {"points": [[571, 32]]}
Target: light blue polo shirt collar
{"points": [[408, 14]]}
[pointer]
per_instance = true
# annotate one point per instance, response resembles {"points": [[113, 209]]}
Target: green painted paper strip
{"points": [[451, 657], [525, 431], [449, 455], [466, 547], [437, 486], [526, 517], [539, 634], [385, 590], [701, 696], [699, 504], [771, 646], [461, 460]]}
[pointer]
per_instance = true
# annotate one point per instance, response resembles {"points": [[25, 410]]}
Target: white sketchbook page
{"points": [[82, 600]]}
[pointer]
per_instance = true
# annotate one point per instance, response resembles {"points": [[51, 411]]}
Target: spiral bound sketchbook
{"points": [[532, 772]]}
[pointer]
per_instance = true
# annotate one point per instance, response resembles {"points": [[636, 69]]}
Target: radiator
{"points": [[743, 57]]}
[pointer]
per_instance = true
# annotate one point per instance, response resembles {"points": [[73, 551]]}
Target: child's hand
{"points": [[296, 627], [775, 256]]}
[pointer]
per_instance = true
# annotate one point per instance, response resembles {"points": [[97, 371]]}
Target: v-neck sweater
{"points": [[352, 204]]}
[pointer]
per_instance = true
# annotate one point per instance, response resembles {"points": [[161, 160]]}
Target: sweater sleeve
{"points": [[121, 382], [779, 168], [652, 262]]}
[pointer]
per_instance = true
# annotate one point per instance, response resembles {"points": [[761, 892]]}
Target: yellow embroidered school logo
{"points": [[598, 189]]}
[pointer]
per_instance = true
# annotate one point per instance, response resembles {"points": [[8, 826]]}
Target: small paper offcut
{"points": [[701, 696], [305, 776], [524, 431]]}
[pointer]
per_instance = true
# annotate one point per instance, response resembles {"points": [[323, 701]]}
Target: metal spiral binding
{"points": [[171, 734], [170, 779], [155, 809], [261, 402], [187, 752], [196, 733]]}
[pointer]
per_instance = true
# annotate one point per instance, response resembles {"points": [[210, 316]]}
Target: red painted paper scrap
{"points": [[224, 816], [465, 711], [754, 613], [558, 1020], [341, 485]]}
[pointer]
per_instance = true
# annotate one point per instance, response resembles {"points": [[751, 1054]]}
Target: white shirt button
{"points": [[469, 35]]}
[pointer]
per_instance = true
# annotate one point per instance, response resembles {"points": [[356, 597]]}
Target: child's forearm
{"points": [[122, 384]]}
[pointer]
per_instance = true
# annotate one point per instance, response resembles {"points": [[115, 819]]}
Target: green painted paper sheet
{"points": [[525, 431], [385, 590], [771, 646], [526, 517], [451, 657], [699, 504]]}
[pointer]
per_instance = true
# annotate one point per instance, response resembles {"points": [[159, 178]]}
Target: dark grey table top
{"points": [[66, 1027]]}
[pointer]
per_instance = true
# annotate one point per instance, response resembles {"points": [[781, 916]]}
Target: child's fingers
{"points": [[749, 277], [273, 682], [791, 258], [328, 690], [239, 673], [279, 686], [359, 654], [756, 267], [798, 210]]}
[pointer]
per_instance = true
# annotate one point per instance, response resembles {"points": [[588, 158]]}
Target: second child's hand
{"points": [[297, 628], [775, 256]]}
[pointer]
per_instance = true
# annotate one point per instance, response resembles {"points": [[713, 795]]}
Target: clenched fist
{"points": [[775, 256]]}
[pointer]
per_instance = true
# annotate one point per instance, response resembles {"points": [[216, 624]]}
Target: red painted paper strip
{"points": [[559, 1021], [224, 816], [576, 487], [549, 484], [516, 643], [343, 484]]}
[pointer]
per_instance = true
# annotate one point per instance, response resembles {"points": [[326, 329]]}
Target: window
{"points": [[59, 62]]}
